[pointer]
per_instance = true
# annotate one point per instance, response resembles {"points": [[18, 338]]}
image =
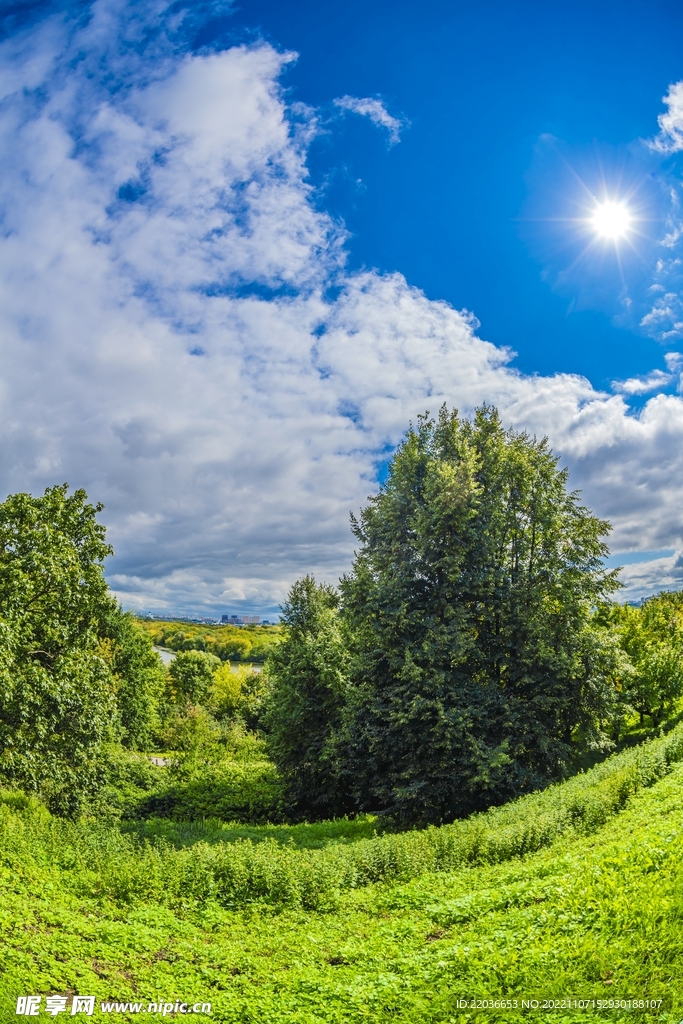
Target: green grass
{"points": [[576, 892], [304, 836]]}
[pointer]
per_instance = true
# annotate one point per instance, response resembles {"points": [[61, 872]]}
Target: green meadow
{"points": [[571, 894]]}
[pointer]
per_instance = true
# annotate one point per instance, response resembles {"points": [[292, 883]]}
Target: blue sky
{"points": [[244, 246], [481, 85]]}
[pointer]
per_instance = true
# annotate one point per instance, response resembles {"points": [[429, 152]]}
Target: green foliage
{"points": [[303, 835], [188, 728], [308, 691], [236, 647], [238, 694], [249, 791], [469, 602], [598, 918], [225, 699], [227, 775], [139, 675], [238, 782], [652, 637], [128, 780], [191, 676], [56, 691]]}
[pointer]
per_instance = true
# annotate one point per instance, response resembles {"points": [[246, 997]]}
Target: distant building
{"points": [[240, 620]]}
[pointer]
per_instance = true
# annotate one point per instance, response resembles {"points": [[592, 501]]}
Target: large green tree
{"points": [[469, 605], [307, 674], [56, 691]]}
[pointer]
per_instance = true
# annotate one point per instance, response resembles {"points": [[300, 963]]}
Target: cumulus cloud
{"points": [[670, 137], [653, 381], [642, 579], [376, 111], [170, 339]]}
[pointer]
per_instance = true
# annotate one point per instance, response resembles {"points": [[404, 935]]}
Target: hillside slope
{"points": [[592, 917]]}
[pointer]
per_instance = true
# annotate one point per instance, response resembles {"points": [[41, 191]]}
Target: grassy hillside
{"points": [[574, 893]]}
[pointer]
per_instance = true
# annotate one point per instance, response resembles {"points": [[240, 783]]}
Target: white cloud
{"points": [[670, 138], [649, 577], [169, 338], [653, 381], [664, 319], [376, 111]]}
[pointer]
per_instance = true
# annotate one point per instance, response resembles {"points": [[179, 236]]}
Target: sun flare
{"points": [[611, 220]]}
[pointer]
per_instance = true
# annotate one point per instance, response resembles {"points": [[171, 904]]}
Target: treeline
{"points": [[473, 653], [229, 643]]}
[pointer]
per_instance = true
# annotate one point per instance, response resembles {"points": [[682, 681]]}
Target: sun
{"points": [[611, 220]]}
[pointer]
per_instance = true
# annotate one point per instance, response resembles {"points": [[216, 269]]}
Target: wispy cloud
{"points": [[376, 111], [663, 320]]}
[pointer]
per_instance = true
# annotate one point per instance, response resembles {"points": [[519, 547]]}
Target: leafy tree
{"points": [[226, 692], [469, 606], [139, 675], [307, 675], [238, 694], [191, 676], [652, 637], [237, 647], [56, 691]]}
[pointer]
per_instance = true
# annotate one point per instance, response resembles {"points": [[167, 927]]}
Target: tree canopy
{"points": [[191, 675]]}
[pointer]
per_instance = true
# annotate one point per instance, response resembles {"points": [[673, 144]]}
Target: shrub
{"points": [[188, 728]]}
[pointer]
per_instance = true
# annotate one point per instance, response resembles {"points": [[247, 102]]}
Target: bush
{"points": [[128, 778], [188, 728], [248, 791], [231, 779]]}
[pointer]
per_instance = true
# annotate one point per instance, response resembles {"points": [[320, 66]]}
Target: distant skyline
{"points": [[244, 246]]}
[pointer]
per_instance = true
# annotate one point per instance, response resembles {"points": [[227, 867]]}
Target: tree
{"points": [[469, 606], [191, 674], [139, 675], [652, 637], [308, 683], [238, 694], [56, 692]]}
